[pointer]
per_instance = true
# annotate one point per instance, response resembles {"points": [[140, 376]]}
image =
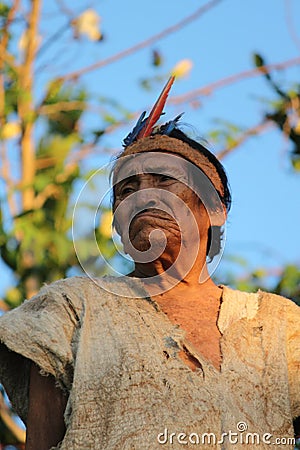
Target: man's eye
{"points": [[166, 178], [127, 190]]}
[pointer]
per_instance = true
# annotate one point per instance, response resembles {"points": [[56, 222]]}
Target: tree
{"points": [[47, 142], [284, 112]]}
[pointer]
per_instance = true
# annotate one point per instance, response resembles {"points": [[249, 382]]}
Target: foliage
{"points": [[284, 111], [35, 216], [45, 138], [283, 281]]}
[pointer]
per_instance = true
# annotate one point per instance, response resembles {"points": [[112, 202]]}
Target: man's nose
{"points": [[147, 197]]}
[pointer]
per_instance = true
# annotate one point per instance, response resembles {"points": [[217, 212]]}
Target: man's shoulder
{"points": [[259, 297], [278, 301], [104, 289], [77, 285], [255, 305]]}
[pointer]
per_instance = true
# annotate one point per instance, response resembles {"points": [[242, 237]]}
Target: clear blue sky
{"points": [[264, 222], [263, 225]]}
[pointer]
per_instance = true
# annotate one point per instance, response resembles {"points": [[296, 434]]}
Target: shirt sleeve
{"points": [[42, 330], [293, 356]]}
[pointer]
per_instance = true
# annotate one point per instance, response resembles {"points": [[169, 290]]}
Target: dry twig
{"points": [[26, 107], [262, 126], [211, 87], [146, 43]]}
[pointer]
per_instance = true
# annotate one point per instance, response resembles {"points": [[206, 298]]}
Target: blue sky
{"points": [[264, 222]]}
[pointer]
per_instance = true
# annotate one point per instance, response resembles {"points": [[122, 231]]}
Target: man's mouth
{"points": [[152, 212]]}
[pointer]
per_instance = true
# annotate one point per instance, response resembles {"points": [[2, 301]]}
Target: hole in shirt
{"points": [[189, 359], [166, 354]]}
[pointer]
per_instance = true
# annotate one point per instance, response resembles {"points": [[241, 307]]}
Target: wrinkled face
{"points": [[156, 206]]}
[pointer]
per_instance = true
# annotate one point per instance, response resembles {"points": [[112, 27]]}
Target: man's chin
{"points": [[141, 241], [154, 241]]}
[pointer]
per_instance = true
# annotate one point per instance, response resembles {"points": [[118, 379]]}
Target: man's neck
{"points": [[164, 274]]}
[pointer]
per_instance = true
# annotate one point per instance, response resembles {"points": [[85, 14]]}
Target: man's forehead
{"points": [[152, 162]]}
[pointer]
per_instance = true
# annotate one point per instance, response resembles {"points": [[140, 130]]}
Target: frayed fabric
{"points": [[118, 358]]}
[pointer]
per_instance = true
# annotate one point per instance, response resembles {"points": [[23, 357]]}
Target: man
{"points": [[162, 356]]}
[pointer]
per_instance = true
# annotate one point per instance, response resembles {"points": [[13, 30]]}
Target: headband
{"points": [[163, 143]]}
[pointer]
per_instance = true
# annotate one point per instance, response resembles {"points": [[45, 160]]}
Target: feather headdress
{"points": [[145, 126]]}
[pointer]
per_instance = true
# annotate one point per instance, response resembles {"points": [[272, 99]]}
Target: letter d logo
{"points": [[163, 437]]}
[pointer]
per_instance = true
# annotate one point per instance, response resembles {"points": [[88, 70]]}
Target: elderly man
{"points": [[163, 356]]}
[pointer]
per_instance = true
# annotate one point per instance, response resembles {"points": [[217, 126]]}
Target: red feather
{"points": [[156, 110]]}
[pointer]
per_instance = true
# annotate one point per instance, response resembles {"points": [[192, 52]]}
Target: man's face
{"points": [[153, 193]]}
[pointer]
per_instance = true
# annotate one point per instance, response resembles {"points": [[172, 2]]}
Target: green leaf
{"points": [[258, 60], [4, 10]]}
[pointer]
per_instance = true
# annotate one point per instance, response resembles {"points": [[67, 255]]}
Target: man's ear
{"points": [[218, 217]]}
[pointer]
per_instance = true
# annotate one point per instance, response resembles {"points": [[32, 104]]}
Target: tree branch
{"points": [[129, 51], [5, 56], [210, 88], [3, 306], [290, 23], [26, 109], [259, 128], [5, 415], [61, 106]]}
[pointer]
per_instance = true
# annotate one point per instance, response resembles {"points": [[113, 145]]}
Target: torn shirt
{"points": [[118, 359]]}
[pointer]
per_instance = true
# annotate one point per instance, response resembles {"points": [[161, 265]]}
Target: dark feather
{"points": [[133, 134], [168, 127]]}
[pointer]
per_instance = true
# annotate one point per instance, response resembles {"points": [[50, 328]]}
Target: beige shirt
{"points": [[128, 388]]}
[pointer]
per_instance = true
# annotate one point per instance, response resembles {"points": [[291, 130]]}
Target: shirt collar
{"points": [[236, 305]]}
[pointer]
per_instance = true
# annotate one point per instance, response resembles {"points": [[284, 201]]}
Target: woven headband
{"points": [[163, 143]]}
